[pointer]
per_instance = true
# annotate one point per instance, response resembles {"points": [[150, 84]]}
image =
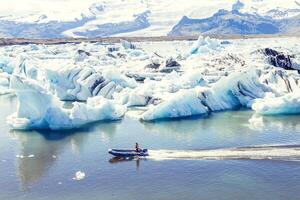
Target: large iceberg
{"points": [[239, 89], [38, 109]]}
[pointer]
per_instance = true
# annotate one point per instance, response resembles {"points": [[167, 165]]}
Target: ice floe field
{"points": [[149, 81]]}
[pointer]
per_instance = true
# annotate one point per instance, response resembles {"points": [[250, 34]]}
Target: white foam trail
{"points": [[286, 152]]}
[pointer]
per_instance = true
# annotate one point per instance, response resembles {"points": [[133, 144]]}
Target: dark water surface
{"points": [[59, 155]]}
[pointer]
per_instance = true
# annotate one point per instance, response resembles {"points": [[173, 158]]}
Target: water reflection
{"points": [[286, 123], [223, 124], [116, 160], [40, 150]]}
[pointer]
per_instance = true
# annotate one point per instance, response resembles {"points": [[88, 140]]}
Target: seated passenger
{"points": [[137, 148]]}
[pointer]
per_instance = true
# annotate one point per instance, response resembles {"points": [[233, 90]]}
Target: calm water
{"points": [[58, 155]]}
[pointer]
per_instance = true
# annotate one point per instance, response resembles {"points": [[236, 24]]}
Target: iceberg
{"points": [[206, 78], [152, 91], [6, 65], [236, 90], [286, 104], [239, 89], [184, 103], [23, 67], [38, 109], [4, 79], [119, 79], [205, 45], [127, 45]]}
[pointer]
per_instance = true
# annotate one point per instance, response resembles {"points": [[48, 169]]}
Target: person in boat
{"points": [[137, 147]]}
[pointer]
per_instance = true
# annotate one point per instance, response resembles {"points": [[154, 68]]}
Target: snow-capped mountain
{"points": [[235, 22], [93, 18]]}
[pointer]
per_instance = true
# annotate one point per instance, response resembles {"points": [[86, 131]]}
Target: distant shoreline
{"points": [[57, 41]]}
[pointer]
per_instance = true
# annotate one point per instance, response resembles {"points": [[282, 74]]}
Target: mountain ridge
{"points": [[99, 18]]}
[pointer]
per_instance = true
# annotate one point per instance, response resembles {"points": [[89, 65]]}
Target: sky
{"points": [[61, 9]]}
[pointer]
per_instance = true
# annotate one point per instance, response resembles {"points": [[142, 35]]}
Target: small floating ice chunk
{"points": [[19, 156], [79, 176]]}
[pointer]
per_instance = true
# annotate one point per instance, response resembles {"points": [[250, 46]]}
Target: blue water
{"points": [[59, 155]]}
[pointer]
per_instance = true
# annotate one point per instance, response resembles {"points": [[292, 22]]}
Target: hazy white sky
{"points": [[69, 9], [61, 7]]}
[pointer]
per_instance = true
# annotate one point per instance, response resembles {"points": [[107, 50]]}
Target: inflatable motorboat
{"points": [[128, 152]]}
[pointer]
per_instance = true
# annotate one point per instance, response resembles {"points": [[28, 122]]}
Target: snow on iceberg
{"points": [[184, 103], [38, 109], [119, 79], [286, 104]]}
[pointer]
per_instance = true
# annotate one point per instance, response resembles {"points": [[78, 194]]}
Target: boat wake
{"points": [[282, 152]]}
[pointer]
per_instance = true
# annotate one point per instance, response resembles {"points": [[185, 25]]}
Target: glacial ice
{"points": [[184, 103], [211, 77], [119, 79], [286, 104], [236, 90], [5, 65], [79, 175], [38, 109], [4, 79], [76, 83], [205, 45]]}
